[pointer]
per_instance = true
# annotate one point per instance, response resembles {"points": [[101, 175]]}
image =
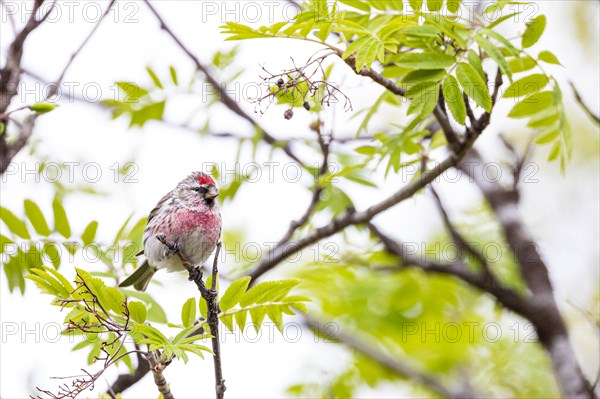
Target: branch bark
{"points": [[210, 295], [159, 379], [11, 77], [545, 314], [402, 369], [124, 381]]}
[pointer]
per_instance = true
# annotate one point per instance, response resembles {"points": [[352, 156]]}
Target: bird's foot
{"points": [[195, 274], [173, 246]]}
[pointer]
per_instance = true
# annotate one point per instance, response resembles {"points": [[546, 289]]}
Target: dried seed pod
{"points": [[288, 114], [306, 105], [280, 82]]}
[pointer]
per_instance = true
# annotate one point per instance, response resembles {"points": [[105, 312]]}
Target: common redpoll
{"points": [[188, 217]]}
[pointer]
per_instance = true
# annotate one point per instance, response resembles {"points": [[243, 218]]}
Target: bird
{"points": [[189, 218]]}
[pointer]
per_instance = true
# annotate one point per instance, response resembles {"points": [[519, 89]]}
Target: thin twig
{"points": [[595, 117], [316, 194], [11, 78], [459, 240], [226, 99]]}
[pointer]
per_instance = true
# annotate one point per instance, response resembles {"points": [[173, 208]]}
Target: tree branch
{"points": [[352, 217], [210, 295], [226, 99], [159, 379], [458, 238], [391, 363], [595, 117], [11, 78], [506, 296], [124, 381], [545, 315]]}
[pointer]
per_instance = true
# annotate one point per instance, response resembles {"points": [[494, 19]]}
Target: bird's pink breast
{"points": [[185, 221]]}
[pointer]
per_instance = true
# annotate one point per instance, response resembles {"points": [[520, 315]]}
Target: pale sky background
{"points": [[562, 212]]}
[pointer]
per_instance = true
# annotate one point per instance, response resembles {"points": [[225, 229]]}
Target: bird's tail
{"points": [[140, 278]]}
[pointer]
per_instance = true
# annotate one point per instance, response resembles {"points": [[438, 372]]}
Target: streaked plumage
{"points": [[189, 217]]}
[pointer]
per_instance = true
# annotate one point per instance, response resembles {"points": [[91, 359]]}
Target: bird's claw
{"points": [[173, 246]]}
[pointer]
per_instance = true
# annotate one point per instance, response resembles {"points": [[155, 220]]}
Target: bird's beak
{"points": [[211, 193]]}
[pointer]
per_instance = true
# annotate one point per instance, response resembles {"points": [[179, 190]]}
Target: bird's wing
{"points": [[153, 213], [158, 206]]}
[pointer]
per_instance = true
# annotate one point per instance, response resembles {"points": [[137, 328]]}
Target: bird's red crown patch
{"points": [[205, 179]]}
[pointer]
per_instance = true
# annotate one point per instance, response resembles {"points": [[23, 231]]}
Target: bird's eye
{"points": [[197, 189]]}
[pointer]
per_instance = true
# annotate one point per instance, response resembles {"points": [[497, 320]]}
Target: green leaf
{"points": [[424, 75], [366, 150], [42, 108], [49, 284], [521, 64], [267, 291], [502, 40], [475, 62], [89, 233], [4, 241], [14, 273], [427, 60], [544, 118], [421, 31], [61, 222], [454, 99], [154, 78], [526, 86], [416, 5], [132, 91], [156, 313], [137, 311], [453, 5], [275, 314], [533, 31], [240, 319], [110, 297], [548, 57], [203, 307], [188, 312], [36, 217], [424, 98], [173, 75], [531, 105], [147, 113], [52, 253], [234, 293], [434, 5], [548, 135], [473, 85], [14, 224], [258, 315], [554, 151], [495, 53], [227, 319]]}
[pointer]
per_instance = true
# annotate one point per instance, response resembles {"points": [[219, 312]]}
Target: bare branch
{"points": [[595, 117], [458, 239], [11, 78], [226, 99], [124, 381]]}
